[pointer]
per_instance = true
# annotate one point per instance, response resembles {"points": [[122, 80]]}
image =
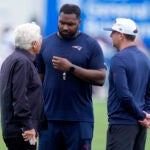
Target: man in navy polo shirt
{"points": [[69, 64], [129, 91]]}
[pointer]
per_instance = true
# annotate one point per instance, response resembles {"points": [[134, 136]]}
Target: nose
{"points": [[65, 27]]}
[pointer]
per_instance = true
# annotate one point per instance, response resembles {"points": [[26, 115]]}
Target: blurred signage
{"points": [[97, 14]]}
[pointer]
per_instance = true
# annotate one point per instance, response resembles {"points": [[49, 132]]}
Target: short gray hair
{"points": [[25, 34]]}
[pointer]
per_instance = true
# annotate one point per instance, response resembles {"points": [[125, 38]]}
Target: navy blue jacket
{"points": [[21, 95], [129, 92]]}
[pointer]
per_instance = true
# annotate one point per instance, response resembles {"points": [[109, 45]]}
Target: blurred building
{"points": [[15, 12]]}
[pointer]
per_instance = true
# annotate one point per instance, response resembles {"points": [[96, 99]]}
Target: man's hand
{"points": [[61, 63], [147, 115], [146, 121], [30, 135]]}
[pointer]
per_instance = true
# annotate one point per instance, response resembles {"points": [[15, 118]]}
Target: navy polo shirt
{"points": [[70, 99]]}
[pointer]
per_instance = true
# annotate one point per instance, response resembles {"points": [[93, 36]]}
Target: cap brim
{"points": [[108, 29]]}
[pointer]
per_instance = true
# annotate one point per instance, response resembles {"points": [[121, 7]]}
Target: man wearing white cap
{"points": [[129, 91]]}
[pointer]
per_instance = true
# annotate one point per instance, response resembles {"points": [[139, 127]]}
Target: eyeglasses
{"points": [[115, 32]]}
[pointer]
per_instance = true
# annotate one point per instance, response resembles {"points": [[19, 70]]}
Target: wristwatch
{"points": [[72, 68]]}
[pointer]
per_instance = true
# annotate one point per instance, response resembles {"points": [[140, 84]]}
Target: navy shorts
{"points": [[66, 135]]}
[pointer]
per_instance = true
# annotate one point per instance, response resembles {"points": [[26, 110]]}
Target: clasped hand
{"points": [[146, 121]]}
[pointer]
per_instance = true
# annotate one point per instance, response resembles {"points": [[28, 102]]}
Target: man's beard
{"points": [[68, 35]]}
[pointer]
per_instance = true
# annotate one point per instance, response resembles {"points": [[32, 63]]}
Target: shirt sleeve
{"points": [[21, 102], [97, 57], [126, 98]]}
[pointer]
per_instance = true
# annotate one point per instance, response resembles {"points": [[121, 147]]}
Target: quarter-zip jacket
{"points": [[21, 94]]}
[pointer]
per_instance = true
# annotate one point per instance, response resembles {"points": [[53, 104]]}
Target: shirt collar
{"points": [[26, 53]]}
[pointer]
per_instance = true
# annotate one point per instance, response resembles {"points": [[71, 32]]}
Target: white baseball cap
{"points": [[124, 25]]}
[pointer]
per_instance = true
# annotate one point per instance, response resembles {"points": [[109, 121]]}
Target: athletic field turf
{"points": [[99, 140]]}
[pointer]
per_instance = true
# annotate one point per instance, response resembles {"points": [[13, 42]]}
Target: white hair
{"points": [[25, 34]]}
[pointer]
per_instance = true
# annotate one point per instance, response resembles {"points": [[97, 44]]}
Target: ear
{"points": [[80, 21], [34, 44], [122, 36]]}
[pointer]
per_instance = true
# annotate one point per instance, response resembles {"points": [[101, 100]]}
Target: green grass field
{"points": [[99, 139]]}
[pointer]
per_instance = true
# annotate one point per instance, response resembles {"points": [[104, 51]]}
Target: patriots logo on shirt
{"points": [[77, 47]]}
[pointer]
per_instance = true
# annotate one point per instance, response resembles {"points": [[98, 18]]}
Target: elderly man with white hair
{"points": [[21, 91]]}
